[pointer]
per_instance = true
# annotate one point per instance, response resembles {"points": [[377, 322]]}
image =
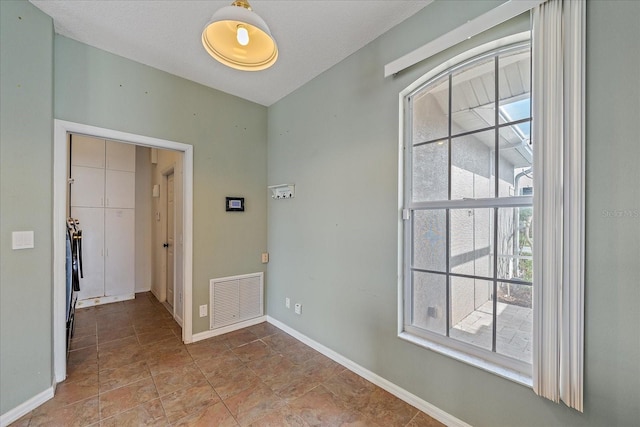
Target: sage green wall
{"points": [[334, 247], [26, 112], [228, 135]]}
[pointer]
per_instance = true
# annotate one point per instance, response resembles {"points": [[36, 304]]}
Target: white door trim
{"points": [[165, 237], [60, 165]]}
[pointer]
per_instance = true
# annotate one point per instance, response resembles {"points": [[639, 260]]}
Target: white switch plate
{"points": [[287, 302], [22, 240], [265, 257], [298, 308], [203, 310]]}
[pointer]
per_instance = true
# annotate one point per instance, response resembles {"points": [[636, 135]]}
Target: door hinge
{"points": [[406, 214]]}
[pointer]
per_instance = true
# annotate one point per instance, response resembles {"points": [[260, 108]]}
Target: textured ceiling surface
{"points": [[312, 36]]}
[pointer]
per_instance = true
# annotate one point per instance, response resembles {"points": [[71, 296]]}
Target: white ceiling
{"points": [[312, 36]]}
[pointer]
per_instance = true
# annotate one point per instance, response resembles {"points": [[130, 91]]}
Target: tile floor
{"points": [[128, 367]]}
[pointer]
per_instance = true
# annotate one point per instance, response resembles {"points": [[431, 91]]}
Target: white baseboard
{"points": [[28, 406], [376, 379], [89, 302], [226, 329]]}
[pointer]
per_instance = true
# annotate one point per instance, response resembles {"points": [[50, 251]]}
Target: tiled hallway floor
{"points": [[128, 367]]}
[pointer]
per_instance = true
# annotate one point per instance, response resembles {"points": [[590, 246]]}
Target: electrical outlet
{"points": [[298, 308], [287, 302], [265, 257], [203, 310]]}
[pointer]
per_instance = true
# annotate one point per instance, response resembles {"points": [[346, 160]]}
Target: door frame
{"points": [[60, 165], [170, 170]]}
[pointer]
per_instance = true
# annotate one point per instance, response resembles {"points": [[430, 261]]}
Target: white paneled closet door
{"points": [[120, 157], [103, 200], [119, 274], [86, 181], [119, 189], [88, 151]]}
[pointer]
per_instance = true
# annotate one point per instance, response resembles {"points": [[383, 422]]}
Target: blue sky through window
{"points": [[518, 110]]}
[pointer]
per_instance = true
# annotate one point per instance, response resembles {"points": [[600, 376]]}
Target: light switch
{"points": [[22, 240]]}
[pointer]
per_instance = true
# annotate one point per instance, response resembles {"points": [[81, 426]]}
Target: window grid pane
{"points": [[485, 153]]}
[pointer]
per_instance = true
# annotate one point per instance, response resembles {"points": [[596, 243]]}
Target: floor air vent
{"points": [[235, 299]]}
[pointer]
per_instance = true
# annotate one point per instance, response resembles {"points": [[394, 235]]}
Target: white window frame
{"points": [[558, 82], [507, 367]]}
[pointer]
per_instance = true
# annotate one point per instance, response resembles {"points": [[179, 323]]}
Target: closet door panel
{"points": [[121, 156], [119, 275], [87, 151], [92, 226], [120, 189], [87, 189]]}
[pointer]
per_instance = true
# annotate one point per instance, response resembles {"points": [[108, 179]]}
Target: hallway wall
{"points": [[26, 163], [228, 134]]}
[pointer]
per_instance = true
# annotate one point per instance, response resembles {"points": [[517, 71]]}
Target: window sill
{"points": [[475, 361]]}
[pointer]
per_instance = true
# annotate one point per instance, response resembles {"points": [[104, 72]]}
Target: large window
{"points": [[468, 216]]}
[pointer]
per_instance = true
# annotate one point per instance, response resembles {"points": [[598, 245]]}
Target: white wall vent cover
{"points": [[235, 299]]}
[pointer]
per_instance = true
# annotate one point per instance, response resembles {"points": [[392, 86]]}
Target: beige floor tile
{"points": [[387, 409], [282, 417], [215, 415], [240, 337], [319, 407], [149, 414], [81, 371], [188, 401], [169, 361], [121, 343], [204, 349], [274, 366], [231, 382], [254, 350], [79, 414], [253, 404], [155, 336], [124, 398], [117, 377], [280, 341], [69, 392], [263, 329], [219, 363], [118, 357], [178, 378], [115, 334], [79, 357], [83, 342]]}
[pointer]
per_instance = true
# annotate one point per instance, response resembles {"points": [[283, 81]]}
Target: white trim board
{"points": [[226, 329], [24, 408], [61, 129], [90, 302], [376, 379], [490, 19]]}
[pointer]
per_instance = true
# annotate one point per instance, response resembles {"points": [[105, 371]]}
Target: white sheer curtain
{"points": [[558, 97]]}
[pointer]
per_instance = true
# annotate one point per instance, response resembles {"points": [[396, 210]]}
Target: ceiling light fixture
{"points": [[237, 37]]}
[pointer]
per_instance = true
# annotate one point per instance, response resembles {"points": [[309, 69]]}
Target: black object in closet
{"points": [[74, 271]]}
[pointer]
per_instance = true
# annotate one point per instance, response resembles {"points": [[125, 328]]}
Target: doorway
{"points": [[60, 166], [170, 244]]}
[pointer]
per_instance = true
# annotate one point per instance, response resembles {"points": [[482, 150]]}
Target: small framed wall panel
{"points": [[235, 299]]}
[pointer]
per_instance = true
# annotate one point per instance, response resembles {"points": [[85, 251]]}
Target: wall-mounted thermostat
{"points": [[235, 204]]}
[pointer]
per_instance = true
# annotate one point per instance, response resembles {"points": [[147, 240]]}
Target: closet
{"points": [[102, 198]]}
